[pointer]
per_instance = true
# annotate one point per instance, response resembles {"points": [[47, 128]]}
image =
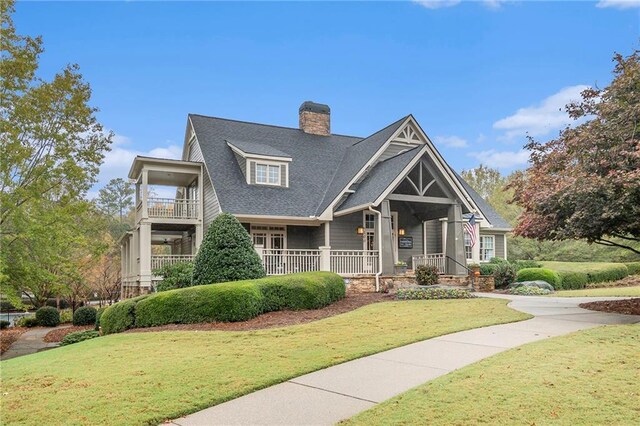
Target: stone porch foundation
{"points": [[391, 283]]}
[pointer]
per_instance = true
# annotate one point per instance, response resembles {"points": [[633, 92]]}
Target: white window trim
{"points": [[493, 238], [372, 231], [271, 229], [269, 164]]}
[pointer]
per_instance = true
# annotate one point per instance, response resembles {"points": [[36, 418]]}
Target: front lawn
{"points": [[588, 377], [602, 292], [142, 378]]}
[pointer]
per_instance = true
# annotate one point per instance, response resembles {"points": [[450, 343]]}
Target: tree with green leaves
{"points": [[585, 184], [116, 198], [51, 146], [226, 254]]}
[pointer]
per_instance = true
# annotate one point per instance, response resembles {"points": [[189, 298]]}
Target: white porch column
{"points": [[198, 236], [145, 255], [327, 234], [325, 258], [145, 194], [444, 235]]}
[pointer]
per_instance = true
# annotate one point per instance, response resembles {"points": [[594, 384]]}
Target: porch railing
{"points": [[280, 262], [354, 262], [158, 262], [172, 208], [436, 259]]}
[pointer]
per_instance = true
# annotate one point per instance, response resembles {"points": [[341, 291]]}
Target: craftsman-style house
{"points": [[311, 200]]}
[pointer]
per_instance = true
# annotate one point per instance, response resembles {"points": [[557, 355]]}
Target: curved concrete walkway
{"points": [[30, 342], [336, 393]]}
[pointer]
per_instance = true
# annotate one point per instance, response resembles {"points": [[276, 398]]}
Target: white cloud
{"points": [[618, 4], [537, 120], [502, 159], [437, 4], [117, 162], [451, 141]]}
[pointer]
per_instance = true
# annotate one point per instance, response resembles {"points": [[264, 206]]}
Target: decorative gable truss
{"points": [[409, 135], [406, 139]]}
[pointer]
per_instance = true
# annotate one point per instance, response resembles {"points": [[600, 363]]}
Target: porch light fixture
{"points": [[360, 230], [401, 231]]}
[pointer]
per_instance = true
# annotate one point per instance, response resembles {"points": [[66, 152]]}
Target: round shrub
{"points": [[85, 315], [4, 324], [48, 316], [488, 268], [544, 274], [426, 275], [29, 321], [98, 315], [504, 274], [79, 336], [226, 254], [120, 316]]}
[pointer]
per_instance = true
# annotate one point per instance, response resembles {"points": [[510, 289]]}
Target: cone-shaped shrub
{"points": [[226, 254]]}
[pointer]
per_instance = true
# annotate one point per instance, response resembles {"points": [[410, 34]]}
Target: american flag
{"points": [[470, 227]]}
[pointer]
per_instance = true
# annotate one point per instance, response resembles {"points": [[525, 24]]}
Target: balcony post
{"points": [[198, 236], [145, 255], [145, 194], [260, 250], [325, 258]]}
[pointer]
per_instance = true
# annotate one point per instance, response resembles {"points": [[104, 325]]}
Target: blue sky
{"points": [[476, 75]]}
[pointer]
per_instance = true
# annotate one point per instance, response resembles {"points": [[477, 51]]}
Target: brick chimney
{"points": [[315, 118]]}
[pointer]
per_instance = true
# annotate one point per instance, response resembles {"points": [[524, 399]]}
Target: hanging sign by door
{"points": [[405, 242]]}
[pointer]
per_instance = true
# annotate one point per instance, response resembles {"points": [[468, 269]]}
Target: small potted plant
{"points": [[474, 269], [400, 267]]}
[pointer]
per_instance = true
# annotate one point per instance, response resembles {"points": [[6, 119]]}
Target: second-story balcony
{"points": [[172, 208]]}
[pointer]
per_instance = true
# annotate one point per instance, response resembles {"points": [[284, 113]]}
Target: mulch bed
{"points": [[8, 336], [630, 281], [626, 306], [58, 334], [280, 318]]}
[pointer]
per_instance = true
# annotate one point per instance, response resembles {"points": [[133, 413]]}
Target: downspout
{"points": [[379, 214]]}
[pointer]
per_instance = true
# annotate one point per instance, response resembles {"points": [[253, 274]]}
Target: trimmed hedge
{"points": [[85, 315], [120, 316], [573, 280], [544, 274], [48, 316], [226, 302], [634, 268]]}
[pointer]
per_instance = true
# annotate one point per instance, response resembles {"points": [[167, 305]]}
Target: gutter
{"points": [[379, 214]]}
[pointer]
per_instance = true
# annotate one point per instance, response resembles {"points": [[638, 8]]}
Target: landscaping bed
{"points": [[280, 318], [626, 306], [58, 334], [8, 336]]}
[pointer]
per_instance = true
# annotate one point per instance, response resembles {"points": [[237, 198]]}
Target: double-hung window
{"points": [[487, 247], [267, 174], [468, 249]]}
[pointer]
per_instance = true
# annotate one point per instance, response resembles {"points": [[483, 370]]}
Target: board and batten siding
{"points": [[343, 232], [434, 236], [413, 228], [211, 205]]}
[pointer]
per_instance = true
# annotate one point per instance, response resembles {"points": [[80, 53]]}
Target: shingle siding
{"points": [[242, 163], [252, 172], [211, 205]]}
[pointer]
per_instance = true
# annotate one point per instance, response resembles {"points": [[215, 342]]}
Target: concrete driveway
{"points": [[327, 396]]}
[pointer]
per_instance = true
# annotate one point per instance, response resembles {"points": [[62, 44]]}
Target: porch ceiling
{"points": [[157, 177], [422, 211], [175, 227]]}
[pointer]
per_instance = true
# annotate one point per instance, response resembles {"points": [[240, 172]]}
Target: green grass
{"points": [[142, 378], [603, 292], [577, 266], [588, 377]]}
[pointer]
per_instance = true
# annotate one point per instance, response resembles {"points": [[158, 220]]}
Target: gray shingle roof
{"points": [[379, 179], [320, 169], [257, 148], [487, 211]]}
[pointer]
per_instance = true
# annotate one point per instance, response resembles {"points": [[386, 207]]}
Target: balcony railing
{"points": [[280, 262], [436, 259], [158, 262], [173, 208], [354, 262]]}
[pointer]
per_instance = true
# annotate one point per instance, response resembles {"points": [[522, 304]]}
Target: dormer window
{"points": [[262, 164], [268, 174]]}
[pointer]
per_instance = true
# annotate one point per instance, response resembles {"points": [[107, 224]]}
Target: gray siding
{"points": [[413, 228], [211, 205], [434, 236], [317, 236], [242, 163], [186, 244], [283, 175], [343, 232], [252, 172]]}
